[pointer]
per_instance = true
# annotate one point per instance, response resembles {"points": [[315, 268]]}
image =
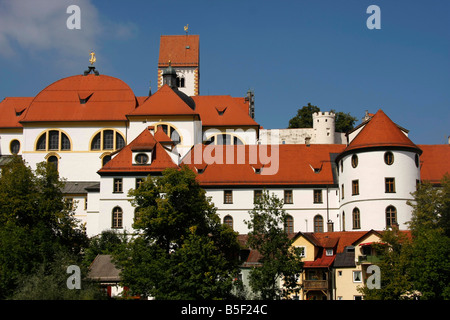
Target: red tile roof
{"points": [[286, 164], [12, 110], [181, 50], [434, 162], [380, 131], [123, 161], [164, 102], [109, 99], [217, 111]]}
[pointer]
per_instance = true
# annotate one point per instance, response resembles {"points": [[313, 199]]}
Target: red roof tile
{"points": [[434, 162], [282, 164], [164, 102], [380, 131], [123, 161], [12, 110], [180, 50], [216, 111], [109, 99]]}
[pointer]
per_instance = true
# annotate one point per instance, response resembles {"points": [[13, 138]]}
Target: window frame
{"points": [[356, 218], [288, 196], [228, 196], [318, 223], [355, 187], [117, 185], [257, 194], [391, 216], [389, 185], [229, 221], [100, 135], [317, 196], [389, 158], [354, 161], [117, 218], [289, 224], [63, 141]]}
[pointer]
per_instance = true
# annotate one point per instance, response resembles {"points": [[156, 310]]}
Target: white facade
{"points": [[372, 197]]}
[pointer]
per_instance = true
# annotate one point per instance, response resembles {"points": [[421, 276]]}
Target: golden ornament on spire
{"points": [[92, 59], [186, 27]]}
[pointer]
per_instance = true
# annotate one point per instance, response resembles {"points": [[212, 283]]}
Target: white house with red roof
{"points": [[104, 140]]}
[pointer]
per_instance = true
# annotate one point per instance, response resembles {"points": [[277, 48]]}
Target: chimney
{"points": [[308, 141], [330, 227]]}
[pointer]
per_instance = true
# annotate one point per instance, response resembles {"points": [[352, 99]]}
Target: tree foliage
{"points": [[419, 267], [182, 250], [280, 262], [35, 222]]}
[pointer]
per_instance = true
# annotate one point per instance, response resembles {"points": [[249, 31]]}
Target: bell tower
{"points": [[183, 53]]}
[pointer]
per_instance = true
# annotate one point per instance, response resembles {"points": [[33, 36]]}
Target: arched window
{"points": [[391, 216], [54, 140], [354, 161], [356, 219], [289, 224], [180, 82], [107, 139], [223, 139], [14, 146], [117, 217], [389, 158], [228, 220], [54, 161], [318, 223]]}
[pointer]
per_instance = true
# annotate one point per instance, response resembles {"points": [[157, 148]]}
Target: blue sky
{"points": [[289, 52]]}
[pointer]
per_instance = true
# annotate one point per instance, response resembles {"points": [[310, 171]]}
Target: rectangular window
{"points": [[317, 196], [355, 187], [357, 276], [117, 188], [228, 196], [108, 139], [85, 203], [342, 191], [288, 197], [53, 140], [329, 252], [257, 194], [389, 185], [139, 182], [302, 251]]}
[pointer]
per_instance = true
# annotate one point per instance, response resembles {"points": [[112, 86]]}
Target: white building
{"points": [[104, 139]]}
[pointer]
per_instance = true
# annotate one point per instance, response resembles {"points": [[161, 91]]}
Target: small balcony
{"points": [[315, 284], [368, 259]]}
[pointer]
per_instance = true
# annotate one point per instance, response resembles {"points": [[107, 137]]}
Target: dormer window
{"points": [[329, 252], [141, 158]]}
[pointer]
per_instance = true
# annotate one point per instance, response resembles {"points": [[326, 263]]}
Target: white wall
{"points": [[372, 199]]}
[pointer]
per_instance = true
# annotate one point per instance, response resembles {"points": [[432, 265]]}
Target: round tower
{"points": [[377, 173], [324, 127]]}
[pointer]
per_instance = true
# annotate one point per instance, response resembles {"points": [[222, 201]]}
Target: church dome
{"points": [[82, 98]]}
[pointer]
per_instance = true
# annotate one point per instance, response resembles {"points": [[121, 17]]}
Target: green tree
{"points": [[182, 250], [35, 222], [303, 119], [279, 261], [344, 122], [420, 266], [430, 267]]}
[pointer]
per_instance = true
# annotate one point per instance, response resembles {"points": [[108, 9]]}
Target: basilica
{"points": [[104, 140]]}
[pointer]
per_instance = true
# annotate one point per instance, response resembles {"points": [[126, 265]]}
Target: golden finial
{"points": [[92, 59], [186, 27]]}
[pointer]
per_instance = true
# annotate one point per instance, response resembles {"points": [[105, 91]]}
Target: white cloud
{"points": [[37, 27]]}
